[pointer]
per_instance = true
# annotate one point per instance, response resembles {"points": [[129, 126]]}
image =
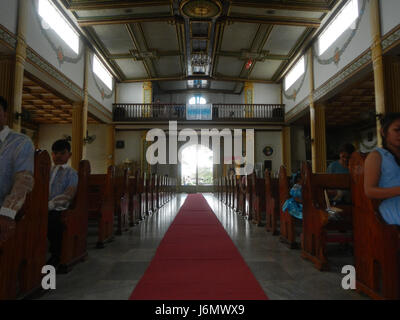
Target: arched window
{"points": [[197, 99]]}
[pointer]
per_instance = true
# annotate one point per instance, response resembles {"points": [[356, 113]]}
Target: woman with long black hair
{"points": [[382, 170]]}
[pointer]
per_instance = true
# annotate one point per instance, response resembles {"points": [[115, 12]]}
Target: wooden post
{"points": [[111, 145], [77, 135], [15, 96], [317, 124], [286, 149]]}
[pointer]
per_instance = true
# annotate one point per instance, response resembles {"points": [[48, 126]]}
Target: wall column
{"points": [[111, 145], [14, 94], [377, 61], [85, 105], [77, 135], [318, 139], [317, 124], [249, 98], [286, 149]]}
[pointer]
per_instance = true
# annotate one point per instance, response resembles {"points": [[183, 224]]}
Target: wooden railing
{"points": [[220, 112]]}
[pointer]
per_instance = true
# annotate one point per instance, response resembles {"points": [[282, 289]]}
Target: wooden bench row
{"points": [[376, 244], [98, 197]]}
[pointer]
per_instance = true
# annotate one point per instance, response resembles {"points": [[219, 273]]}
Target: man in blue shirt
{"points": [[63, 184], [16, 172]]}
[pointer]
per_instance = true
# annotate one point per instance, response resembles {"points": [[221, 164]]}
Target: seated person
{"points": [[382, 170], [341, 166], [294, 204], [63, 184], [16, 171]]}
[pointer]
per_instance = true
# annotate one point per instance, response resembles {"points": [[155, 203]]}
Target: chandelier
{"points": [[200, 59]]}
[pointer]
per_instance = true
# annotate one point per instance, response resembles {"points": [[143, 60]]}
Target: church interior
{"points": [[284, 83]]}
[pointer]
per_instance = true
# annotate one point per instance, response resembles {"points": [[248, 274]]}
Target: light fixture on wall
{"points": [[89, 139]]}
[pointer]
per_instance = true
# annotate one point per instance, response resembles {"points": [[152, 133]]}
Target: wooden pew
{"points": [[75, 220], [376, 244], [242, 195], [101, 204], [145, 196], [154, 192], [318, 230], [121, 199], [23, 255], [235, 193], [287, 222], [258, 202], [133, 201], [271, 203], [142, 195]]}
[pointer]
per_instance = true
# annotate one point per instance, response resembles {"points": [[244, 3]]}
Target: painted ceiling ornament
{"points": [[294, 94], [60, 55], [102, 93], [201, 9], [336, 57]]}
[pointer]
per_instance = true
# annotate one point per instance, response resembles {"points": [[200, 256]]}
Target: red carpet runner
{"points": [[196, 260]]}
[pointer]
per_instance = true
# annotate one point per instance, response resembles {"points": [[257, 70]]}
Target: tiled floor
{"points": [[113, 272]]}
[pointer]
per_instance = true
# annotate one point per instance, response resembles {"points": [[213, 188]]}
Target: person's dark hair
{"points": [[386, 121], [61, 145], [347, 147], [3, 103]]}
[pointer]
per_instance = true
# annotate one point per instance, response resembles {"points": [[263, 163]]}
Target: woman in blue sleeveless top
{"points": [[382, 170], [294, 204]]}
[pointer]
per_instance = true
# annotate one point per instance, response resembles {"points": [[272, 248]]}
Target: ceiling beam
{"points": [[317, 7], [284, 21], [185, 78], [96, 5], [85, 22], [125, 56]]}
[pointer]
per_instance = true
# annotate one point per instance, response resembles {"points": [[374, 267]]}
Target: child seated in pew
{"points": [[382, 170], [294, 204], [16, 172], [63, 184]]}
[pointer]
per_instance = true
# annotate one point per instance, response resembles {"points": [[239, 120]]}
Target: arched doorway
{"points": [[197, 169]]}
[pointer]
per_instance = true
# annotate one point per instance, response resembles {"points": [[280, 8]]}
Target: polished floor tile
{"points": [[112, 273]]}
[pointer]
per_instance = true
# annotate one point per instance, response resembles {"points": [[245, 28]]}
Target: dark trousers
{"points": [[55, 231]]}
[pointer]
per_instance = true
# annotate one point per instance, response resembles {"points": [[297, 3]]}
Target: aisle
{"points": [[196, 260]]}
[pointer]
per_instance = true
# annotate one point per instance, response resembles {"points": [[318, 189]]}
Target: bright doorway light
{"points": [[197, 166]]}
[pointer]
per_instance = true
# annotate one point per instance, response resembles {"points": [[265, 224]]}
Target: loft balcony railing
{"points": [[220, 112]]}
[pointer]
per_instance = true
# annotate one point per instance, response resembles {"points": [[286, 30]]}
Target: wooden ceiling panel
{"points": [[46, 106]]}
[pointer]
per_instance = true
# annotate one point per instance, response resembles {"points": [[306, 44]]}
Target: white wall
{"points": [[267, 93], [96, 152], [9, 14], [36, 39], [268, 138], [390, 15], [131, 151], [130, 92], [298, 147], [359, 43]]}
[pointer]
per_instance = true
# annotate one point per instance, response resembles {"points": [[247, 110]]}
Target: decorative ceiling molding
{"points": [[114, 4], [96, 21], [274, 20], [324, 6]]}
